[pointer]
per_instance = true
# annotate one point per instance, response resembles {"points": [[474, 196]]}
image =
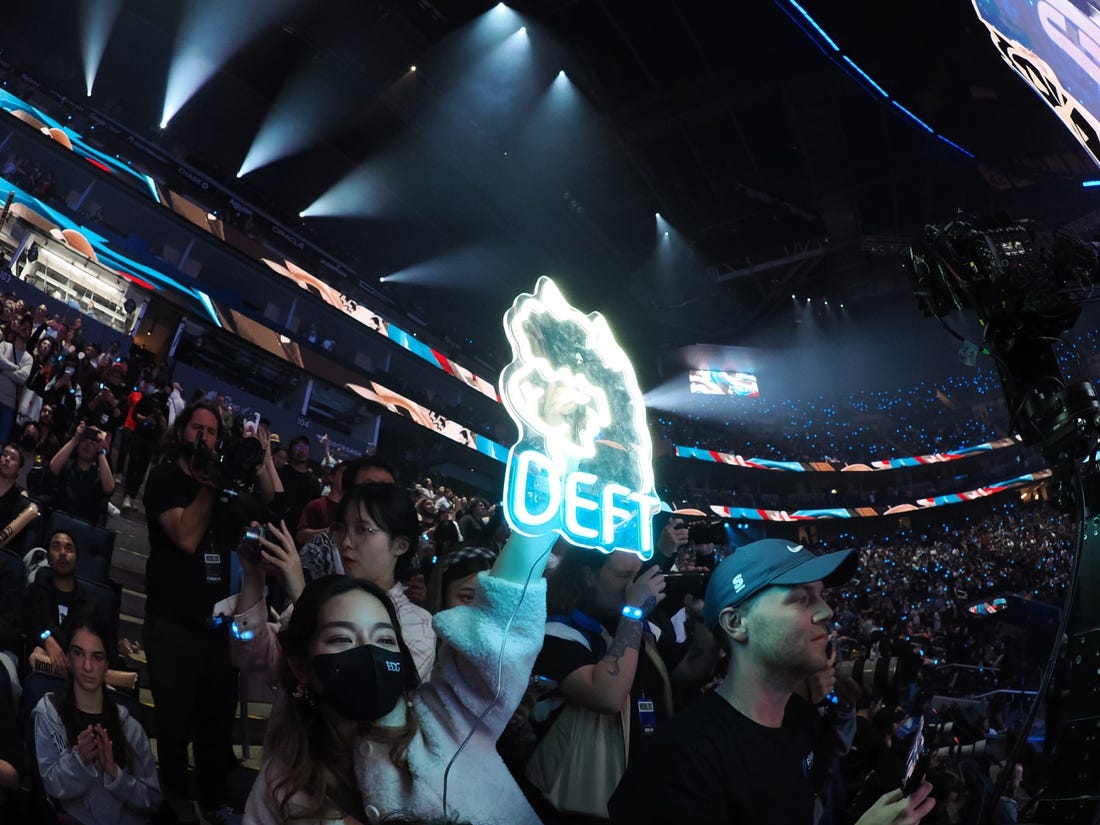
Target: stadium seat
{"points": [[95, 545]]}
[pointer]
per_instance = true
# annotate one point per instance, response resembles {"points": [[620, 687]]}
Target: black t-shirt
{"points": [[714, 766], [46, 606], [298, 490], [561, 655], [178, 585], [80, 493]]}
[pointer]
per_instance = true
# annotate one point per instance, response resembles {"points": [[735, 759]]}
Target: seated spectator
{"points": [[94, 758], [81, 478], [54, 593], [12, 498]]}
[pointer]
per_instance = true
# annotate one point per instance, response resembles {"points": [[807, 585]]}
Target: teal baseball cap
{"points": [[763, 563]]}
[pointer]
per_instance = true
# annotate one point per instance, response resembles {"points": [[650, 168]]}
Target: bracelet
{"points": [[635, 613]]}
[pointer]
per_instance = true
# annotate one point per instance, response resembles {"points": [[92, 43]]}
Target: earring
{"points": [[303, 692]]}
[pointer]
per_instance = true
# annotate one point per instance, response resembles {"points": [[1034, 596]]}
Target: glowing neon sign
{"points": [[583, 463]]}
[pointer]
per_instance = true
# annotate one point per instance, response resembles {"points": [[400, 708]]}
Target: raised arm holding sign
{"points": [[582, 464]]}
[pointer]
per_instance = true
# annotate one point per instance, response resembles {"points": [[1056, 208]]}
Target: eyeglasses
{"points": [[356, 530]]}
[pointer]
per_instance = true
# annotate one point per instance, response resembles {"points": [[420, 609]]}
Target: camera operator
{"points": [[753, 750], [81, 481], [193, 682]]}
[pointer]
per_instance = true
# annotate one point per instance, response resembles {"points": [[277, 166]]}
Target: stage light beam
{"points": [[97, 20], [362, 193], [210, 33]]}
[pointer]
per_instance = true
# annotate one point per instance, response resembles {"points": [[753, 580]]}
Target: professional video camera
{"points": [[232, 465], [1026, 290]]}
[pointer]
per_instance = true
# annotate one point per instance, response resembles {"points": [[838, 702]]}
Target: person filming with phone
{"points": [[753, 750], [81, 480]]}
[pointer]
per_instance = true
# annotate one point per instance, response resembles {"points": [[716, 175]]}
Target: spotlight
{"points": [[382, 280], [412, 68]]}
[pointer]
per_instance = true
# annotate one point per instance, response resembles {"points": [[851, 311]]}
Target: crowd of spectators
{"points": [[867, 425], [910, 598], [913, 419]]}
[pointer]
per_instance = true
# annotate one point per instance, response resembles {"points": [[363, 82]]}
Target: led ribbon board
{"points": [[582, 466]]}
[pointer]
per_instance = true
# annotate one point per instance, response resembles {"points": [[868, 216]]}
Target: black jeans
{"points": [[141, 449], [194, 689]]}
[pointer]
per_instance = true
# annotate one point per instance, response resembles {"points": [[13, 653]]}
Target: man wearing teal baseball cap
{"points": [[752, 750]]}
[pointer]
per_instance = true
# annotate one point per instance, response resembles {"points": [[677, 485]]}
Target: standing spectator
{"points": [[753, 750], [64, 398], [300, 485], [28, 448], [92, 755], [317, 515], [175, 402], [601, 652], [472, 526], [125, 433], [15, 366], [30, 400], [48, 443], [193, 682], [150, 416], [80, 475]]}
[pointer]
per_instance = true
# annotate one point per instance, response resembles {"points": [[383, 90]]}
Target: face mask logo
{"points": [[582, 464], [362, 684]]}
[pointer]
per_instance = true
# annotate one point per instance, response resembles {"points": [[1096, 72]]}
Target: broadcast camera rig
{"points": [[1027, 290]]}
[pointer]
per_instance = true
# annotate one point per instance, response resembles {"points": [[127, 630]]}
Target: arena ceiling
{"points": [[775, 169]]}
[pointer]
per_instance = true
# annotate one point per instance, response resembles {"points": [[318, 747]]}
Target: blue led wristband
{"points": [[634, 613]]}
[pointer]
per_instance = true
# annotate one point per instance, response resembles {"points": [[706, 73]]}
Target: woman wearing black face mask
{"points": [[353, 738]]}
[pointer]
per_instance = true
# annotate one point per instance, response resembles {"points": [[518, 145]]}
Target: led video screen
{"points": [[1054, 45], [720, 382]]}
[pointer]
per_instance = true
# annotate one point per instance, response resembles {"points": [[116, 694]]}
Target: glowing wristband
{"points": [[45, 634], [242, 635], [634, 613]]}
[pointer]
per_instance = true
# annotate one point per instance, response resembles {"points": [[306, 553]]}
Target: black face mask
{"points": [[363, 683]]}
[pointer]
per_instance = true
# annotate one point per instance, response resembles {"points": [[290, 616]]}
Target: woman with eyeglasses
{"points": [[374, 529]]}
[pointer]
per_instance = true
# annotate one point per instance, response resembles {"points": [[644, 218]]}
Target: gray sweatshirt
{"points": [[84, 791]]}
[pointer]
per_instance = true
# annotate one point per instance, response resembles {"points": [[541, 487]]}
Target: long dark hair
{"points": [[89, 619], [314, 758], [566, 587], [172, 442], [391, 509]]}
